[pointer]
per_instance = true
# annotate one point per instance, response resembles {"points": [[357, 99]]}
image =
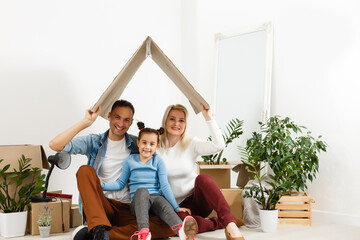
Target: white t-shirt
{"points": [[110, 169]]}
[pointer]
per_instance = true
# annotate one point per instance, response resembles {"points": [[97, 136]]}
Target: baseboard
{"points": [[346, 219]]}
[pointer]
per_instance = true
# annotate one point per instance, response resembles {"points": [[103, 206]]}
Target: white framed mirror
{"points": [[243, 70]]}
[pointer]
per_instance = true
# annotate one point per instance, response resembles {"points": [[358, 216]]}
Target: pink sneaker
{"points": [[188, 229], [144, 234]]}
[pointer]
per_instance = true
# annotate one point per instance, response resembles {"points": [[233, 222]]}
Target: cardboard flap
{"points": [[178, 78], [118, 85], [12, 153]]}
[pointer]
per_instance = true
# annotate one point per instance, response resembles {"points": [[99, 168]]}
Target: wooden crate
{"points": [[295, 209]]}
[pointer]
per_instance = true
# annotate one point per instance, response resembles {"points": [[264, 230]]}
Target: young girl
{"points": [[149, 188]]}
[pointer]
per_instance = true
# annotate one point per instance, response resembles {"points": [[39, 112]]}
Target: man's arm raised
{"points": [[59, 142]]}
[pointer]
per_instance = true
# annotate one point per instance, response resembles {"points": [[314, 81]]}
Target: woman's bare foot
{"points": [[233, 230]]}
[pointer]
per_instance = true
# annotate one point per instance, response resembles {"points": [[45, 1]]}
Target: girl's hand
{"points": [[207, 113], [184, 210], [100, 181]]}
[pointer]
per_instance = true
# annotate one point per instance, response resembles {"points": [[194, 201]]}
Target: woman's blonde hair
{"points": [[163, 138]]}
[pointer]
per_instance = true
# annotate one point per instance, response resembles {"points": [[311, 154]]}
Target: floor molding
{"points": [[347, 219]]}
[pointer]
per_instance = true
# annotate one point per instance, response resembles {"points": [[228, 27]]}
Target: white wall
{"points": [[315, 79], [58, 57]]}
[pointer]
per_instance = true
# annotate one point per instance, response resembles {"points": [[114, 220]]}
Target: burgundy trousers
{"points": [[100, 210], [206, 198]]}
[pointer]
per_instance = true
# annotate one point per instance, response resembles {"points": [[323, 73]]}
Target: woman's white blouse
{"points": [[181, 163]]}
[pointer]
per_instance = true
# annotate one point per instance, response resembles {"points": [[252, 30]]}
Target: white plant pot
{"points": [[269, 220], [44, 231], [13, 224]]}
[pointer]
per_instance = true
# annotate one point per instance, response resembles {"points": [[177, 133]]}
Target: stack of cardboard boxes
{"points": [[222, 177]]}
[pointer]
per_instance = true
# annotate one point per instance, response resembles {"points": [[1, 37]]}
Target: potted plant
{"points": [[290, 154], [266, 193], [233, 131], [27, 182], [216, 165], [44, 221]]}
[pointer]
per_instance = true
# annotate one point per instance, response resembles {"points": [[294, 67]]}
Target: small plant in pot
{"points": [[44, 220], [16, 190], [233, 131], [290, 154], [267, 192]]}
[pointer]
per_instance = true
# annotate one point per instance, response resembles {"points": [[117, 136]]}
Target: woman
{"points": [[199, 193]]}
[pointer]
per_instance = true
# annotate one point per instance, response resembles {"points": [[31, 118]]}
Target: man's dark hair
{"points": [[123, 103]]}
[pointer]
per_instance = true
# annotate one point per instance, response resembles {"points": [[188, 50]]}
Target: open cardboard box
{"points": [[118, 85], [221, 174], [12, 153]]}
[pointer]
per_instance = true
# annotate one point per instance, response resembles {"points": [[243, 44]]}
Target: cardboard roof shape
{"points": [[118, 85]]}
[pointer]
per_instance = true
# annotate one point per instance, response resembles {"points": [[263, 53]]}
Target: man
{"points": [[107, 213]]}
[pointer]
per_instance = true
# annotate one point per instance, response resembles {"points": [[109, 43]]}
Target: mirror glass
{"points": [[243, 80]]}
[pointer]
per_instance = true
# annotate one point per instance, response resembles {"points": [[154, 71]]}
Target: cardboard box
{"points": [[60, 216], [220, 173], [75, 216], [233, 197], [118, 85], [12, 153], [59, 195]]}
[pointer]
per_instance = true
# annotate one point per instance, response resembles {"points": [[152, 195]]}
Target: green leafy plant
{"points": [[233, 131], [291, 155], [16, 202], [266, 197], [45, 216]]}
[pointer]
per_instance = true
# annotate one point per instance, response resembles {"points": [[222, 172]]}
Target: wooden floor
{"points": [[320, 230]]}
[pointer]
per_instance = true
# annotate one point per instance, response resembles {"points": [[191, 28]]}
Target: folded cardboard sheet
{"points": [[118, 85]]}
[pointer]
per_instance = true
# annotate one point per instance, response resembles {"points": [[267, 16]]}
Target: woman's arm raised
{"points": [[207, 113], [203, 147]]}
